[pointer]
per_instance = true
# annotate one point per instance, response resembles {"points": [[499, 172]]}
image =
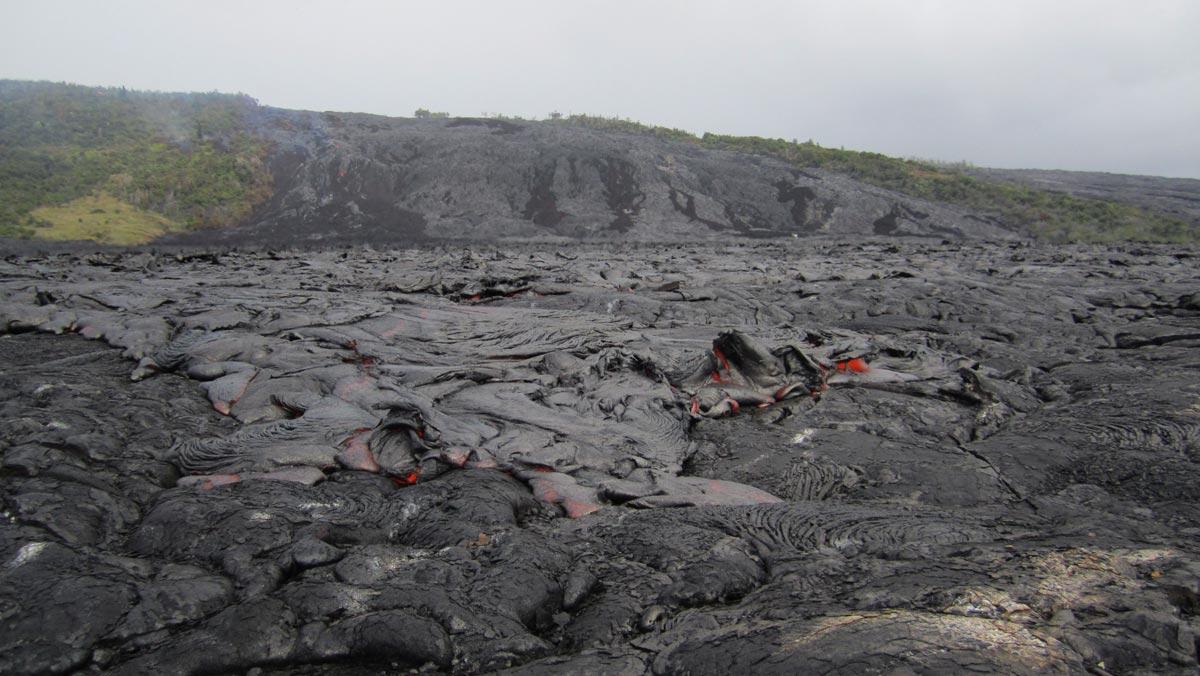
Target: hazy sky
{"points": [[1078, 84]]}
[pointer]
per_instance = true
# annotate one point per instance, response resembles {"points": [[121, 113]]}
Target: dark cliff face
{"points": [[351, 177]]}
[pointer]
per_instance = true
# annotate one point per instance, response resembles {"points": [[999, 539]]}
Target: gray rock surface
{"points": [[363, 178], [782, 457]]}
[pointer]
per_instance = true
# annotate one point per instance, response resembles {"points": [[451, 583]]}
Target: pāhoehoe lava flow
{"points": [[793, 457]]}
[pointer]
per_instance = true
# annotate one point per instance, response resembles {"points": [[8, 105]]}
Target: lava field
{"points": [[775, 458]]}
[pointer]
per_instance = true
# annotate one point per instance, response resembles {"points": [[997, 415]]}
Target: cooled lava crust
{"points": [[800, 457]]}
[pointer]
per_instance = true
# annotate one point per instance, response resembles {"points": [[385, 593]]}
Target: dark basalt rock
{"points": [[780, 457], [339, 178]]}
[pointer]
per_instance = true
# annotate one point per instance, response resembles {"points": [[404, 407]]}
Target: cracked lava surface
{"points": [[809, 457]]}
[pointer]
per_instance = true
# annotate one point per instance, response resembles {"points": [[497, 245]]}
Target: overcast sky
{"points": [[1073, 84]]}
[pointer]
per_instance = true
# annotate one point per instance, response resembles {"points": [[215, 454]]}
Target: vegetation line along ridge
{"points": [[123, 167]]}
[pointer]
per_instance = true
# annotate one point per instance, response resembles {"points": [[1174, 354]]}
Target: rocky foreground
{"points": [[775, 458]]}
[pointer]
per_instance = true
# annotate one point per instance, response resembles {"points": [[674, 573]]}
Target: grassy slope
{"points": [[1045, 214], [185, 157], [100, 217]]}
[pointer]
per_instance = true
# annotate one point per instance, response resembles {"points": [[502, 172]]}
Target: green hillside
{"points": [[181, 160]]}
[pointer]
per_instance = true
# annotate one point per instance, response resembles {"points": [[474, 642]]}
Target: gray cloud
{"points": [[1098, 85]]}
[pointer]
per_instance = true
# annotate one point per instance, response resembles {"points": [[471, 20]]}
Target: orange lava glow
{"points": [[721, 358], [408, 479], [856, 365]]}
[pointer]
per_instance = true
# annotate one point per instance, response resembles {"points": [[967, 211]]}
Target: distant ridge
{"points": [[222, 168]]}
